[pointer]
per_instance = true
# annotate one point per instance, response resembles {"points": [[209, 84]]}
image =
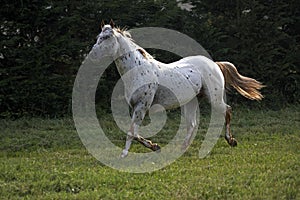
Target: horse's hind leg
{"points": [[217, 101], [228, 136], [190, 111]]}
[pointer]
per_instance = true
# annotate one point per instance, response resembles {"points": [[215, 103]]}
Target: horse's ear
{"points": [[111, 23], [102, 23]]}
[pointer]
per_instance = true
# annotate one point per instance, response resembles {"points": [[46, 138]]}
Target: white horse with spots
{"points": [[147, 80]]}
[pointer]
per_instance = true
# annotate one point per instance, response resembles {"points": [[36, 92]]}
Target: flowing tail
{"points": [[248, 87]]}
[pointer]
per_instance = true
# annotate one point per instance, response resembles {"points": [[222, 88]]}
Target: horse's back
{"points": [[209, 71]]}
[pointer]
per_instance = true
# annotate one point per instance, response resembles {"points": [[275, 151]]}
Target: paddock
{"points": [[45, 159]]}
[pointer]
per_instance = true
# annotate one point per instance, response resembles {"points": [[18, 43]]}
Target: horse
{"points": [[197, 73]]}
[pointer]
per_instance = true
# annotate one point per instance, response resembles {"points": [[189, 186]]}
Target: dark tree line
{"points": [[43, 43]]}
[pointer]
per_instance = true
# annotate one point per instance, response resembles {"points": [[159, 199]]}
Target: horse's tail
{"points": [[248, 87]]}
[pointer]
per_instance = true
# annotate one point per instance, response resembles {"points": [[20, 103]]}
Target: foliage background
{"points": [[43, 43]]}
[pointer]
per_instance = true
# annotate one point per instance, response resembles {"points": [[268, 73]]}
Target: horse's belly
{"points": [[166, 98], [171, 99]]}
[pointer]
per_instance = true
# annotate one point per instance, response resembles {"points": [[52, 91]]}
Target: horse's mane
{"points": [[124, 32]]}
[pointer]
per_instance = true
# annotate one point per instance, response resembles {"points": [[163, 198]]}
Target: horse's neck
{"points": [[129, 61], [131, 56]]}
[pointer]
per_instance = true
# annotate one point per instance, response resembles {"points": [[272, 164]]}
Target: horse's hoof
{"points": [[233, 142], [155, 147], [124, 153]]}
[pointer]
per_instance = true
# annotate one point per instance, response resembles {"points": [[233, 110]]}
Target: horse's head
{"points": [[107, 33], [107, 42]]}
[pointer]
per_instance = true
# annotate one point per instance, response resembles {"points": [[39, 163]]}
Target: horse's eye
{"points": [[105, 37]]}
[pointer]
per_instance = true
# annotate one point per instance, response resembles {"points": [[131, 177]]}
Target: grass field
{"points": [[44, 159]]}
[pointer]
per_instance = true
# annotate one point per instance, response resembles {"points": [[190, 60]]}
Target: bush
{"points": [[44, 42]]}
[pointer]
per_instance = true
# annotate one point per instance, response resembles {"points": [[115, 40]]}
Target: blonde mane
{"points": [[123, 31]]}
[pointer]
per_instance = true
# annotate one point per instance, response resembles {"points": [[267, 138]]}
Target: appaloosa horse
{"points": [[196, 73]]}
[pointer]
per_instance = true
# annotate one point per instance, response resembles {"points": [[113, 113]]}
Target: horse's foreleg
{"points": [[147, 143], [129, 138], [228, 136], [137, 118], [133, 135]]}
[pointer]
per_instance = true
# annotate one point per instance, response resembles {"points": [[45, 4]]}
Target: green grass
{"points": [[44, 159]]}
